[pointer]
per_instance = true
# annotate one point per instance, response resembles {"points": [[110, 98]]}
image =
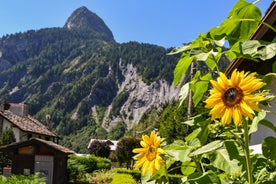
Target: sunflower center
{"points": [[151, 153], [232, 97]]}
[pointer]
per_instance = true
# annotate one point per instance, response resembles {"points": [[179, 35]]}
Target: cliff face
{"points": [[141, 97]]}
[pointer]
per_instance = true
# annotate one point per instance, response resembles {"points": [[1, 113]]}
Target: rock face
{"points": [[84, 19], [141, 98]]}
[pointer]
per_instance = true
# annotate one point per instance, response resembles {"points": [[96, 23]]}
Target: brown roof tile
{"points": [[38, 141], [27, 123]]}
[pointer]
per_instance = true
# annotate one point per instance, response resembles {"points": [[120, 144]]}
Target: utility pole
{"points": [[193, 69]]}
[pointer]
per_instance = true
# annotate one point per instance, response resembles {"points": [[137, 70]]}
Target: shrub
{"points": [[20, 179], [134, 173], [123, 179], [78, 166], [103, 176]]}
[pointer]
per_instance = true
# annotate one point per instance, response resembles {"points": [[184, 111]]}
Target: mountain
{"points": [[87, 83], [84, 19]]}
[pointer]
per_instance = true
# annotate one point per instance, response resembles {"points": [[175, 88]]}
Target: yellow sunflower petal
{"points": [[234, 98], [148, 157], [226, 118], [237, 116], [246, 107]]}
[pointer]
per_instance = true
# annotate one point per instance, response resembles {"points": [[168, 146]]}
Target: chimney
{"points": [[19, 109], [6, 106]]}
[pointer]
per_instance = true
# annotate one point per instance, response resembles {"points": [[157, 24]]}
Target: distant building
{"points": [[24, 126], [112, 144]]}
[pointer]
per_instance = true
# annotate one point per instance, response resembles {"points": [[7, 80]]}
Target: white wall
{"points": [[7, 125], [263, 131]]}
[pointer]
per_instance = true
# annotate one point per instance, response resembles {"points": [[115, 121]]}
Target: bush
{"points": [[14, 179], [78, 166], [134, 173], [102, 176], [123, 179]]}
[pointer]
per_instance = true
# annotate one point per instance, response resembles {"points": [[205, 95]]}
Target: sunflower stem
{"points": [[247, 154], [166, 173]]}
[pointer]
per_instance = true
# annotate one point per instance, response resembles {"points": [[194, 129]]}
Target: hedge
{"points": [[123, 179]]}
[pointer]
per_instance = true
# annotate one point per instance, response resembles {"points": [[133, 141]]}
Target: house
{"points": [[39, 156], [24, 126], [262, 67], [112, 144]]}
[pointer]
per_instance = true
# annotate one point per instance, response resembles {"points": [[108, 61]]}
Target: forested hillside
{"points": [[90, 85]]}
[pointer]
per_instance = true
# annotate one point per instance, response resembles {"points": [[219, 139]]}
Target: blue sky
{"points": [[162, 22]]}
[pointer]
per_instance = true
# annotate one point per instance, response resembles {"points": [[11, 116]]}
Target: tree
{"points": [[170, 122], [99, 148], [117, 131], [124, 150], [6, 137]]}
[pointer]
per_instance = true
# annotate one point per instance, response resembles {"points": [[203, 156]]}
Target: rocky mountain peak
{"points": [[82, 18]]}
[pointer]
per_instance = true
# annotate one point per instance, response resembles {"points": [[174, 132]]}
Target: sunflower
{"points": [[234, 98], [148, 157]]}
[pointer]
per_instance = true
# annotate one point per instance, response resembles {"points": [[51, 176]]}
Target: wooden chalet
{"points": [[39, 156], [24, 126]]}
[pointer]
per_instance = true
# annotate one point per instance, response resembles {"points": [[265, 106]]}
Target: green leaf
{"points": [[145, 178], [268, 124], [220, 42], [179, 151], [222, 159], [188, 168], [181, 68], [199, 177], [212, 146], [259, 49], [184, 93], [212, 60], [195, 120], [194, 142], [194, 134], [200, 133], [269, 147], [254, 126], [242, 21], [234, 51], [179, 50], [199, 85]]}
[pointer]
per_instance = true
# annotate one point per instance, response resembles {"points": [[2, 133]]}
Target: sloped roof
{"points": [[27, 123], [38, 141], [262, 33]]}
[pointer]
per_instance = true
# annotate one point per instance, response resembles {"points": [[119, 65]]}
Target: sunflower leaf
{"points": [[181, 68], [227, 159], [199, 177], [254, 126], [184, 93], [188, 168], [269, 147], [199, 85], [212, 146], [180, 154], [268, 124], [259, 49], [242, 21], [179, 151]]}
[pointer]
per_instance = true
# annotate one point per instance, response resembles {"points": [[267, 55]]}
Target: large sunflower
{"points": [[234, 98], [148, 157]]}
